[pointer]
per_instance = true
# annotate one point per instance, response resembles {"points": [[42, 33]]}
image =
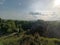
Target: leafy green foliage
{"points": [[14, 32]]}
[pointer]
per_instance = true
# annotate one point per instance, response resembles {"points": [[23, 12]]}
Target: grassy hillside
{"points": [[13, 32], [23, 39]]}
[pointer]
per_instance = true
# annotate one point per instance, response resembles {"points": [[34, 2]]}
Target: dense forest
{"points": [[39, 32]]}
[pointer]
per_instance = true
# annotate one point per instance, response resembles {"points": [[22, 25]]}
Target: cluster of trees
{"points": [[53, 28], [14, 32], [11, 26], [44, 28]]}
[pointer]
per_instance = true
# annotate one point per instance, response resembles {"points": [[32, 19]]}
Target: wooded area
{"points": [[39, 32]]}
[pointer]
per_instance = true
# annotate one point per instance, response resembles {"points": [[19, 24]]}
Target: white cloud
{"points": [[44, 16], [51, 17], [2, 2], [35, 6], [19, 4]]}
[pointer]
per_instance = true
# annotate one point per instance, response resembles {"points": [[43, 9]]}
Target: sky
{"points": [[30, 9]]}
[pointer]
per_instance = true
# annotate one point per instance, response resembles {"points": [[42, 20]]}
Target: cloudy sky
{"points": [[30, 9]]}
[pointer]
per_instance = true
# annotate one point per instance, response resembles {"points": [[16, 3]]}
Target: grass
{"points": [[36, 40]]}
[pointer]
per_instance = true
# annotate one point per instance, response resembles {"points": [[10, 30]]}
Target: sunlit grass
{"points": [[15, 40]]}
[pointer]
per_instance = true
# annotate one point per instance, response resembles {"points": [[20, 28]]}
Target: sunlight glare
{"points": [[56, 3]]}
